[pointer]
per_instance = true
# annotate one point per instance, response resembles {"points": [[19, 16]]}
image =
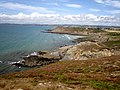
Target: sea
{"points": [[18, 40]]}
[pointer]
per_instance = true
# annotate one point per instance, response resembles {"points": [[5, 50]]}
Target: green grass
{"points": [[112, 43], [102, 85], [98, 30], [59, 77], [114, 34]]}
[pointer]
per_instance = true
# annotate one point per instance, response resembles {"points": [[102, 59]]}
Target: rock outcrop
{"points": [[84, 51], [40, 59]]}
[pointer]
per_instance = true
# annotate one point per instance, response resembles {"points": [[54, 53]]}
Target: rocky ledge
{"points": [[41, 58]]}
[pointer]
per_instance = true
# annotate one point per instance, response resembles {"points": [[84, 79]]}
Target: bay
{"points": [[19, 40]]}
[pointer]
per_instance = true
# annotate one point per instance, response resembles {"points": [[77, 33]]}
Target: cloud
{"points": [[17, 6], [113, 3], [113, 11], [95, 10], [74, 5], [54, 4], [28, 18], [83, 19], [63, 0], [99, 1]]}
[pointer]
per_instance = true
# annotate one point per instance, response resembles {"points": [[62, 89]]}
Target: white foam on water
{"points": [[34, 54], [1, 62], [68, 37], [72, 37], [12, 63]]}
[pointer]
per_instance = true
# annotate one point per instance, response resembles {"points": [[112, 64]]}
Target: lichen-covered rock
{"points": [[84, 51]]}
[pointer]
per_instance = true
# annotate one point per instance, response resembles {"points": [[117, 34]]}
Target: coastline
{"points": [[88, 65], [90, 47]]}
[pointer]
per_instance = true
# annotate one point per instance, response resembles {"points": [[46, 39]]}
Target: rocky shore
{"points": [[41, 58], [91, 48]]}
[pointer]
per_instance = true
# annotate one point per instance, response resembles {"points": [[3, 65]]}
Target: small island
{"points": [[93, 63]]}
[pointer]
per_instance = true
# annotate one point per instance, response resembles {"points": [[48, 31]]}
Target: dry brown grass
{"points": [[103, 73], [29, 84]]}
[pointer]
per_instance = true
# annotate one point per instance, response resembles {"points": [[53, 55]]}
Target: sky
{"points": [[83, 12]]}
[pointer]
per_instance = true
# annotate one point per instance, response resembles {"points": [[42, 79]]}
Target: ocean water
{"points": [[19, 40]]}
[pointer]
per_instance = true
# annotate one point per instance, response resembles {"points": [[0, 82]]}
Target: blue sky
{"points": [[91, 12]]}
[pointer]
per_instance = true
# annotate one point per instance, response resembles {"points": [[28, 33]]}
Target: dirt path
{"points": [[116, 31]]}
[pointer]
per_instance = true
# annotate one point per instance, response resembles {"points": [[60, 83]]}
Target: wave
{"points": [[71, 37], [1, 62]]}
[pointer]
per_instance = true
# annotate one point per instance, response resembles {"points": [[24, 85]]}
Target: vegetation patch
{"points": [[114, 34], [101, 74], [112, 43], [102, 85]]}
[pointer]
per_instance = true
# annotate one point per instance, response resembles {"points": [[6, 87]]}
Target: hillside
{"points": [[102, 73]]}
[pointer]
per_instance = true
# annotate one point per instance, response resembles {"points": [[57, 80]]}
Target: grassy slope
{"points": [[101, 74], [115, 40]]}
